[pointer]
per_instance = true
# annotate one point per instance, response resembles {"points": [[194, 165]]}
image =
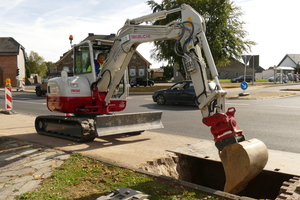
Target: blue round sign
{"points": [[244, 85]]}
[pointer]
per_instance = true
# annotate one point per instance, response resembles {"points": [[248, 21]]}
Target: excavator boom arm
{"points": [[190, 36]]}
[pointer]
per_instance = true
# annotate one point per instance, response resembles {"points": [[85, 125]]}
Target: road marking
{"points": [[287, 106], [25, 98], [239, 104], [30, 102]]}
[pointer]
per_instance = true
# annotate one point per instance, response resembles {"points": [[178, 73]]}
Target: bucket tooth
{"points": [[242, 162]]}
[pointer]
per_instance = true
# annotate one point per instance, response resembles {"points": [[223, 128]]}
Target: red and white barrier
{"points": [[8, 98], [23, 85]]}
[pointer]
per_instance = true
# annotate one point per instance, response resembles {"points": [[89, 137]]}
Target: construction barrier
{"points": [[23, 84], [8, 98]]}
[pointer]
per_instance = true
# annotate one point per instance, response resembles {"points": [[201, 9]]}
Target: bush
{"points": [[160, 78]]}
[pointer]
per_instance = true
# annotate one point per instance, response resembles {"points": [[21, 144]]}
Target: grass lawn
{"points": [[81, 177], [225, 83]]}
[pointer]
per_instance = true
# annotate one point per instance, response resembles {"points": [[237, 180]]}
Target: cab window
{"points": [[82, 59]]}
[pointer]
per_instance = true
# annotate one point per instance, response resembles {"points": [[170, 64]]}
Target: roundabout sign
{"points": [[244, 85]]}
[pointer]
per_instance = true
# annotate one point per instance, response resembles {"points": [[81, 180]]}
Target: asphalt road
{"points": [[274, 121]]}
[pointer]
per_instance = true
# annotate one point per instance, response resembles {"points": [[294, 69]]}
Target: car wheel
{"points": [[160, 99]]}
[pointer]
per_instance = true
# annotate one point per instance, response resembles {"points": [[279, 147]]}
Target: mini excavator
{"points": [[94, 99]]}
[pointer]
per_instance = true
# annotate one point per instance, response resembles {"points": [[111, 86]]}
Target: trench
{"points": [[209, 173], [265, 185]]}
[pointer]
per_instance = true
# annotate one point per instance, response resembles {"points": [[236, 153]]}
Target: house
{"points": [[286, 65], [290, 60], [158, 72], [237, 68], [137, 67], [12, 61]]}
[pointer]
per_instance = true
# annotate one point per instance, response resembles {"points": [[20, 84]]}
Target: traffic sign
{"points": [[246, 58], [244, 85]]}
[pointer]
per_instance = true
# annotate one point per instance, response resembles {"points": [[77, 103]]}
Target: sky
{"points": [[44, 26]]}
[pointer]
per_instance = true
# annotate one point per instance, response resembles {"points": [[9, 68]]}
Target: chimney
{"points": [[91, 34]]}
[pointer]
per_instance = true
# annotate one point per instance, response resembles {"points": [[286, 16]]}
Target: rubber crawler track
{"points": [[71, 128], [290, 189]]}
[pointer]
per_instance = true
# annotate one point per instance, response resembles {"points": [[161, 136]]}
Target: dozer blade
{"points": [[242, 162], [127, 123]]}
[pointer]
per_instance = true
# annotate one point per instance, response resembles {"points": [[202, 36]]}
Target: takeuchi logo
{"points": [[140, 36]]}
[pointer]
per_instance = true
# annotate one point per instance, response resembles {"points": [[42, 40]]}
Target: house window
{"points": [[132, 71], [141, 71]]}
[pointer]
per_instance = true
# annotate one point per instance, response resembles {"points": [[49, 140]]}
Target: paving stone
{"points": [[43, 171], [61, 156], [6, 156], [8, 191], [5, 179], [29, 186], [18, 164], [58, 163], [21, 179], [5, 192], [28, 151], [34, 162], [18, 172], [44, 155], [41, 165]]}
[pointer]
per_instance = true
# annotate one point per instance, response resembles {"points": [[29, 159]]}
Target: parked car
{"points": [[240, 79], [41, 89], [140, 81], [284, 78], [180, 92]]}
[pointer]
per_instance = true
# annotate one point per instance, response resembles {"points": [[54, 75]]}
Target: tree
{"points": [[152, 72], [50, 65], [224, 31], [168, 71], [36, 65]]}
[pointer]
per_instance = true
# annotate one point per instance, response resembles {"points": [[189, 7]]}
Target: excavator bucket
{"points": [[127, 122], [242, 162]]}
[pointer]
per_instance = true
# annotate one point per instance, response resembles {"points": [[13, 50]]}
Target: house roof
{"points": [[285, 68], [9, 46], [294, 57], [92, 36]]}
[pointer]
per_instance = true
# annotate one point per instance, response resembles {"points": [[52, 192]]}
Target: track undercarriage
{"points": [[70, 127], [86, 129]]}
